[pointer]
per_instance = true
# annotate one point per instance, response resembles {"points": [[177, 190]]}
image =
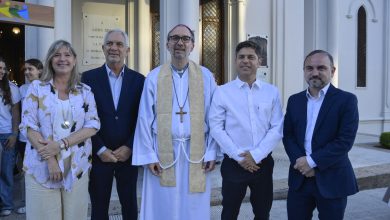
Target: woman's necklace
{"points": [[66, 123]]}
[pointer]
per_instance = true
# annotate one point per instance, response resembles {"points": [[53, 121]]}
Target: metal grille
{"points": [[155, 40], [212, 42]]}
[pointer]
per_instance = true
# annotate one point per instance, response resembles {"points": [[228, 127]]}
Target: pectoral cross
{"points": [[181, 113]]}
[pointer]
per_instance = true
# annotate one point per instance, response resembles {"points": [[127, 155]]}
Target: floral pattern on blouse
{"points": [[39, 112]]}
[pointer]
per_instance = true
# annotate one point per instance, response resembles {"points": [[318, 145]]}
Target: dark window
{"points": [[361, 48], [212, 39], [155, 13]]}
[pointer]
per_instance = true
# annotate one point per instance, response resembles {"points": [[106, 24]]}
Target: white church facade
{"points": [[355, 32]]}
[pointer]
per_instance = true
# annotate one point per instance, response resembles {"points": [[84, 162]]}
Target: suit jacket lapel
{"points": [[126, 87], [326, 105], [302, 117], [105, 86]]}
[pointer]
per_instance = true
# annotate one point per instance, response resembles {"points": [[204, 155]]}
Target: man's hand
{"points": [[55, 173], [10, 142], [248, 163], [208, 166], [302, 166], [107, 156], [155, 168], [310, 173], [50, 149], [122, 153]]}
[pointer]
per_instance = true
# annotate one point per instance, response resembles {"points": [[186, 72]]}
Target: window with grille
{"points": [[155, 13], [212, 40]]}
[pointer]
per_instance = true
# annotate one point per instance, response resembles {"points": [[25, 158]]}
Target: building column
{"points": [[38, 39], [241, 32], [230, 41], [386, 68], [144, 37], [168, 19], [189, 15], [173, 12], [235, 28], [45, 36], [62, 20], [288, 46], [333, 36]]}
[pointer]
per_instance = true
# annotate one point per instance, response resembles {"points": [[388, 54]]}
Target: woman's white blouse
{"points": [[39, 112]]}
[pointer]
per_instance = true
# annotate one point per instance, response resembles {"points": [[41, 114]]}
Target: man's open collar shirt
{"points": [[244, 118], [313, 108]]}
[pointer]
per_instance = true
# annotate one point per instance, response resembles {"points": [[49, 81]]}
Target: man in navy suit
{"points": [[117, 91], [319, 130]]}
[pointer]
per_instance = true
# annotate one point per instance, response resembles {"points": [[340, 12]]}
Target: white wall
{"points": [[371, 97], [283, 22], [100, 7]]}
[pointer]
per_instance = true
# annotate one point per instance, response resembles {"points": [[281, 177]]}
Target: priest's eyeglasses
{"points": [[177, 38]]}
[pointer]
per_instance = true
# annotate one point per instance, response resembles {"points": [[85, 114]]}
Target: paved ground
{"points": [[365, 205], [371, 166]]}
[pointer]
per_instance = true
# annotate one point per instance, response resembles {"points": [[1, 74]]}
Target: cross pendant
{"points": [[181, 113]]}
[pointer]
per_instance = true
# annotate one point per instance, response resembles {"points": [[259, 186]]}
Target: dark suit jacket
{"points": [[117, 126], [333, 136]]}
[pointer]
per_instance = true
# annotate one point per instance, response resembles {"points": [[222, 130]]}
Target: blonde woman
{"points": [[59, 117]]}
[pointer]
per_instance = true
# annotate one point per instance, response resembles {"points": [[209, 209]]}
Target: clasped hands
{"points": [[303, 167], [248, 163], [157, 170], [47, 151], [120, 154]]}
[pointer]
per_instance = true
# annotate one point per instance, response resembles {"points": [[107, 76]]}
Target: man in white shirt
{"points": [[246, 121]]}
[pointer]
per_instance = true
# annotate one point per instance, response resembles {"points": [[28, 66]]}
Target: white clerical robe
{"points": [[172, 203]]}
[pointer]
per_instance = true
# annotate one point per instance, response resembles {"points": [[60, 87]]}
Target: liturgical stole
{"points": [[197, 177]]}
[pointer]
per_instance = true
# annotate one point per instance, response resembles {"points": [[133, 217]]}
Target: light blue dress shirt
{"points": [[115, 86], [313, 108]]}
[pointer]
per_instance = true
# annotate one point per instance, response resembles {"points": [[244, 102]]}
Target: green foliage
{"points": [[385, 139]]}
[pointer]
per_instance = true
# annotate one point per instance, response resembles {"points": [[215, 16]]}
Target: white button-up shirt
{"points": [[246, 119], [313, 108]]}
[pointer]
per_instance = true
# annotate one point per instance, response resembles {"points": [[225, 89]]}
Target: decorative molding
{"points": [[367, 4]]}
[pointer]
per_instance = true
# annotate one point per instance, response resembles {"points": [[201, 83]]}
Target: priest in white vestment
{"points": [[172, 135]]}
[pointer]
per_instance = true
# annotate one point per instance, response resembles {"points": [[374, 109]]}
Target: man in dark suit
{"points": [[117, 91], [319, 130]]}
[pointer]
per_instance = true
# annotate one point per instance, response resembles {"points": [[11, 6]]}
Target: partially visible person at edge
{"points": [[117, 92], [246, 121], [172, 139], [59, 116], [320, 127], [9, 121], [32, 71]]}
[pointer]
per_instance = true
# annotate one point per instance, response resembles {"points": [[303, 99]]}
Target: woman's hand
{"points": [[50, 149], [55, 173]]}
